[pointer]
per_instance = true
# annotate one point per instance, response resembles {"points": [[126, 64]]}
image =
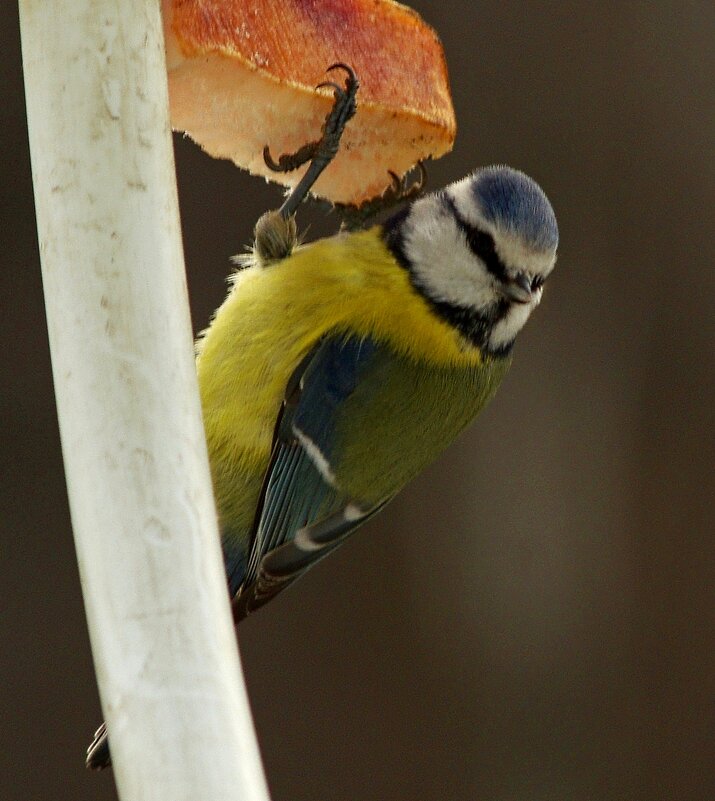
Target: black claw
{"points": [[341, 65], [290, 161], [397, 184], [268, 160], [400, 189], [323, 151], [411, 189], [339, 91], [343, 109]]}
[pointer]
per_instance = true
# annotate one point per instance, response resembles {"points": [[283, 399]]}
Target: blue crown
{"points": [[515, 203]]}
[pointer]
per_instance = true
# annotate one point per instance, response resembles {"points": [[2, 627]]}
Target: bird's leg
{"points": [[323, 151]]}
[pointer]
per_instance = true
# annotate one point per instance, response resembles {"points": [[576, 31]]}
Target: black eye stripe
{"points": [[475, 325], [481, 243]]}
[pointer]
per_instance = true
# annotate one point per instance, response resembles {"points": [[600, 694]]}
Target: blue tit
{"points": [[334, 372], [331, 377]]}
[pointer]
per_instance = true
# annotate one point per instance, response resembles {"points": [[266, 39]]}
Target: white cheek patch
{"points": [[445, 264], [442, 261], [505, 330]]}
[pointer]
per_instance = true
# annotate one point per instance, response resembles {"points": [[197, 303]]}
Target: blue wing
{"points": [[303, 514]]}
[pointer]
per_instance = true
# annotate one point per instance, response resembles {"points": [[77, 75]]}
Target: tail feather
{"points": [[98, 756]]}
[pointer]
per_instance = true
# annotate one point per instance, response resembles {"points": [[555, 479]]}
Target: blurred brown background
{"points": [[533, 618]]}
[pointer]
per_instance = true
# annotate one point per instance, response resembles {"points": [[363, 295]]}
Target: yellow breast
{"points": [[274, 315]]}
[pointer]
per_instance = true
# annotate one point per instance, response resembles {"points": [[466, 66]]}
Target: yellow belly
{"points": [[270, 320]]}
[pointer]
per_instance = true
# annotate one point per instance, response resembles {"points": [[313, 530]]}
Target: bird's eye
{"points": [[537, 282]]}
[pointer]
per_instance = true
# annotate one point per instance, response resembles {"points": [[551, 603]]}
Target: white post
{"points": [[122, 357]]}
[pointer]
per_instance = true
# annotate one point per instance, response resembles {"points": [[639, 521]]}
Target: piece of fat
{"points": [[242, 75]]}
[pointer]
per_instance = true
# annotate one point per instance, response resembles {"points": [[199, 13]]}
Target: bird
{"points": [[331, 378], [335, 371]]}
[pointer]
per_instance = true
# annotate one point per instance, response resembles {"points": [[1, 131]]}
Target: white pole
{"points": [[122, 358]]}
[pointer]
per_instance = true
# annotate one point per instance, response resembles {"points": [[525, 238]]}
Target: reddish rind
{"points": [[242, 75]]}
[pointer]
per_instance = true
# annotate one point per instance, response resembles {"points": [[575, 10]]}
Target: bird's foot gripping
{"points": [[323, 151], [401, 189]]}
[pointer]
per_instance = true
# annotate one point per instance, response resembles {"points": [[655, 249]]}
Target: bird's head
{"points": [[479, 251]]}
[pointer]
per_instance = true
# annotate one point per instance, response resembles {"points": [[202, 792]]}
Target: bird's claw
{"points": [[400, 189], [325, 148]]}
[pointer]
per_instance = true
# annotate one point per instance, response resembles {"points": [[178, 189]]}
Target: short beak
{"points": [[518, 289]]}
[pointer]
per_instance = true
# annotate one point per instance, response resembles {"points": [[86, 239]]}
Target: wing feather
{"points": [[303, 513]]}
